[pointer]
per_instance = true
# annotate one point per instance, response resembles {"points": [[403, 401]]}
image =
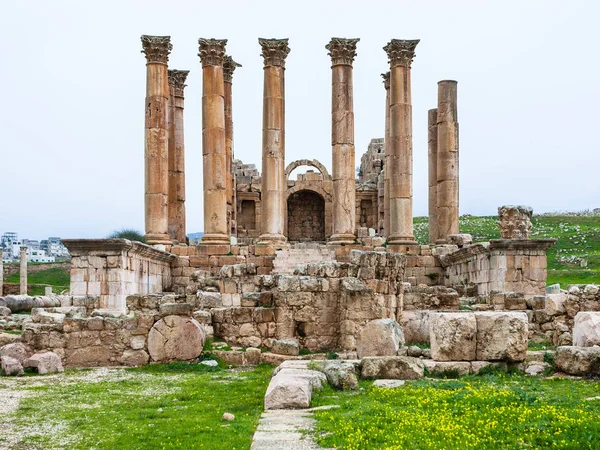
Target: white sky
{"points": [[73, 86]]}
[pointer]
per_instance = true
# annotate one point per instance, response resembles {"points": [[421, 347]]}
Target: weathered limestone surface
{"points": [[45, 362], [16, 350], [10, 366], [23, 271], [387, 150], [156, 49], [286, 347], [1, 275], [340, 374], [442, 367], [453, 336], [515, 221], [501, 336], [292, 386], [432, 151], [586, 329], [212, 53], [175, 338], [580, 361], [21, 303], [229, 66], [381, 337], [400, 54], [342, 52], [274, 52], [415, 325], [392, 367]]}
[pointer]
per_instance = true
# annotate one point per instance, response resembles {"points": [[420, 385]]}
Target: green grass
{"points": [[577, 236], [158, 406], [57, 277], [479, 412]]}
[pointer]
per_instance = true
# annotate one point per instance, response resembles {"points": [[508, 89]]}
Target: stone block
{"points": [[501, 336], [580, 361], [287, 347], [17, 350], [392, 367], [555, 304], [586, 329], [292, 389], [453, 336], [175, 309], [133, 358], [444, 367], [415, 325], [477, 366], [10, 366], [381, 337], [175, 338], [45, 362]]}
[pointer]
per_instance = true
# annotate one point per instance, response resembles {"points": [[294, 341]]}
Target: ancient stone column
{"points": [[229, 66], [342, 52], [386, 164], [274, 52], [212, 53], [432, 163], [176, 204], [157, 49], [23, 271], [400, 54], [447, 160], [1, 274]]}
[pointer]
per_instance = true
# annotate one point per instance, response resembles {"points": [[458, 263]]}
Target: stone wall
{"points": [[306, 217], [115, 268]]}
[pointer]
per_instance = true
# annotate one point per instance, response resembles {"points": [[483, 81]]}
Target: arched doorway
{"points": [[306, 216]]}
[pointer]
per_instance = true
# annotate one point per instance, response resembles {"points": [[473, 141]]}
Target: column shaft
{"points": [[1, 274], [212, 52], [401, 53], [273, 185], [343, 52], [229, 66], [157, 50], [386, 163], [432, 164], [447, 160], [23, 271]]}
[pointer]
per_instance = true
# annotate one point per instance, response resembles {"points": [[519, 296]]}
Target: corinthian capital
{"points": [[386, 80], [212, 51], [342, 51], [177, 80], [401, 52], [156, 48], [229, 66], [274, 51]]}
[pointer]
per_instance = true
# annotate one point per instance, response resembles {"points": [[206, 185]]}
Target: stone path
{"points": [[286, 430]]}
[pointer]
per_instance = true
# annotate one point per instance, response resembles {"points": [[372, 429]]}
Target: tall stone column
{"points": [[176, 205], [274, 52], [447, 160], [157, 49], [342, 52], [386, 161], [432, 164], [1, 274], [23, 271], [400, 54], [212, 53], [229, 66]]}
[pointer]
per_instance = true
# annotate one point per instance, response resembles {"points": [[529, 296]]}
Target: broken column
{"points": [[176, 198], [447, 160], [274, 52], [212, 52], [400, 54], [432, 159], [386, 167], [229, 66], [342, 52], [23, 271], [156, 49]]}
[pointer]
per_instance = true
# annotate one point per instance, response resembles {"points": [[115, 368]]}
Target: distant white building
{"points": [[53, 246], [46, 251]]}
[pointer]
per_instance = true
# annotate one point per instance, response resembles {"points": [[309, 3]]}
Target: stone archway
{"points": [[305, 216]]}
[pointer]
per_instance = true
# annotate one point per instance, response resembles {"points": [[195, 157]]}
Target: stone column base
{"points": [[215, 239], [342, 238], [161, 239], [272, 239]]}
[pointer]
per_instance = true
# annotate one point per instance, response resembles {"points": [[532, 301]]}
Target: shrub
{"points": [[128, 233]]}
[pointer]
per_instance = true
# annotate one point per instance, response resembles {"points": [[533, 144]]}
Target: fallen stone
{"points": [[253, 356], [392, 367], [586, 329], [134, 358], [228, 417], [447, 367], [580, 361], [453, 336], [293, 388], [175, 338], [536, 368], [459, 239], [175, 309], [553, 289], [477, 366], [341, 375], [45, 362], [4, 311], [415, 326], [210, 363], [8, 338], [17, 350], [287, 347], [501, 336], [388, 384], [11, 367], [381, 337]]}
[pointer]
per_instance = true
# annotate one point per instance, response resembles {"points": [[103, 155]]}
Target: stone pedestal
{"points": [[274, 52], [386, 163], [432, 143], [156, 49], [229, 66], [515, 222], [176, 205], [23, 271], [342, 52], [447, 160], [400, 54], [212, 52]]}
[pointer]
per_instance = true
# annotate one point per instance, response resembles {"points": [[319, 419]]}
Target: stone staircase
{"points": [[301, 253]]}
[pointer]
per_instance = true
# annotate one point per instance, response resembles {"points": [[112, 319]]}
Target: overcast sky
{"points": [[73, 86]]}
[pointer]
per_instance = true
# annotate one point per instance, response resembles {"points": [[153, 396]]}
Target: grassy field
{"points": [[57, 277], [154, 407], [479, 412]]}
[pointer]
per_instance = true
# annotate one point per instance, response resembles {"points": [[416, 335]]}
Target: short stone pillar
{"points": [[515, 222], [47, 291], [156, 49], [229, 66], [401, 54], [274, 52], [343, 52], [447, 160], [432, 164], [386, 161], [23, 271], [177, 228], [212, 53]]}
